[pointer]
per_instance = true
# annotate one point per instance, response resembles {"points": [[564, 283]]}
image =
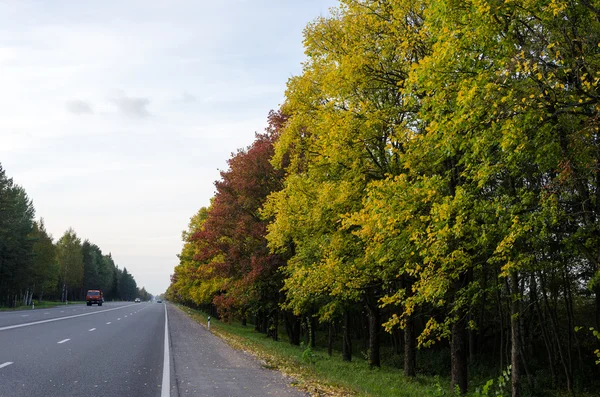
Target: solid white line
{"points": [[166, 379], [6, 364], [93, 329], [108, 323], [59, 318], [118, 318], [63, 341]]}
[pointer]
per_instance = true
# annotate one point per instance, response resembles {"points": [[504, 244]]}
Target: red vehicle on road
{"points": [[94, 296]]}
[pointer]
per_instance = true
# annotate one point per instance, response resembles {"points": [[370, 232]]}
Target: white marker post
{"points": [[209, 322]]}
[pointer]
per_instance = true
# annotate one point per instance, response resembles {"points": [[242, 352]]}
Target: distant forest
{"points": [[427, 197], [35, 267]]}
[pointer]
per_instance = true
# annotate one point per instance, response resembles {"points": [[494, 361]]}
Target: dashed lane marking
{"points": [[63, 341], [6, 364]]}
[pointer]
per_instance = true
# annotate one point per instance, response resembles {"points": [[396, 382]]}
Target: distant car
{"points": [[94, 296], [159, 300], [137, 300]]}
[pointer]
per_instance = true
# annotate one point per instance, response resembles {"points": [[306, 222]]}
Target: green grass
{"points": [[314, 371], [41, 305]]}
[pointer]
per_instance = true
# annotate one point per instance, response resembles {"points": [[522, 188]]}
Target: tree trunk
{"points": [[545, 336], [296, 327], [410, 348], [597, 290], [330, 339], [276, 325], [471, 336], [347, 341], [312, 321], [374, 324], [264, 324], [555, 331], [257, 321], [458, 346], [515, 338]]}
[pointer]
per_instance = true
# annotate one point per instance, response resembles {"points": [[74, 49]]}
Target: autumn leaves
{"points": [[431, 158]]}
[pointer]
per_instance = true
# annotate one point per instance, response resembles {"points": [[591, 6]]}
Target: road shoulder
{"points": [[204, 365]]}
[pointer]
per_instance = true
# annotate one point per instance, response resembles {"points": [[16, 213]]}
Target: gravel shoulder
{"points": [[204, 365]]}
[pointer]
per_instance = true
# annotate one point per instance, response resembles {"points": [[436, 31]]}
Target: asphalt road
{"points": [[120, 349]]}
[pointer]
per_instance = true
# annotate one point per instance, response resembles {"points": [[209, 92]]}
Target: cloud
{"points": [[130, 106], [186, 97], [79, 107]]}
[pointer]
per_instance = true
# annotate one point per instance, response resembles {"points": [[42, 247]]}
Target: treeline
{"points": [[33, 266], [431, 183]]}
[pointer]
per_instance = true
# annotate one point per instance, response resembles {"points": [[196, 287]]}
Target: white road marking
{"points": [[108, 323], [60, 318], [63, 341], [93, 329], [126, 315], [166, 378], [46, 312], [24, 315], [118, 318], [6, 364]]}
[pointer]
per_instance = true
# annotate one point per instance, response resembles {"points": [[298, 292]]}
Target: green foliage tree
{"points": [[93, 261], [44, 267], [111, 276], [16, 225], [127, 286], [69, 256]]}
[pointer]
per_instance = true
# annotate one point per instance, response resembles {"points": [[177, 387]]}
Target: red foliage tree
{"points": [[235, 232]]}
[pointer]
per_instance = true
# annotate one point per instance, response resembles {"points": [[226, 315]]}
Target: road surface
{"points": [[121, 349]]}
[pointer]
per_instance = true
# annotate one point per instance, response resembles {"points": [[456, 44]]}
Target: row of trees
{"points": [[435, 167], [33, 266]]}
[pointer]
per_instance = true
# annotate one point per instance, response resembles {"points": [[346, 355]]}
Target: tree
{"points": [[225, 260], [44, 269], [511, 97], [110, 274], [16, 224], [349, 120], [144, 295], [69, 256], [93, 262], [127, 286]]}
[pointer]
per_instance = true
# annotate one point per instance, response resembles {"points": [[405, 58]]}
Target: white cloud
{"points": [[131, 106], [186, 97], [79, 107]]}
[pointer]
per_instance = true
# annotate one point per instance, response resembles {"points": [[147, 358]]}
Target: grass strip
{"points": [[313, 370], [41, 305]]}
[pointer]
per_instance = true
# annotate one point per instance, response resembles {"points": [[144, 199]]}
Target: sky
{"points": [[117, 115]]}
